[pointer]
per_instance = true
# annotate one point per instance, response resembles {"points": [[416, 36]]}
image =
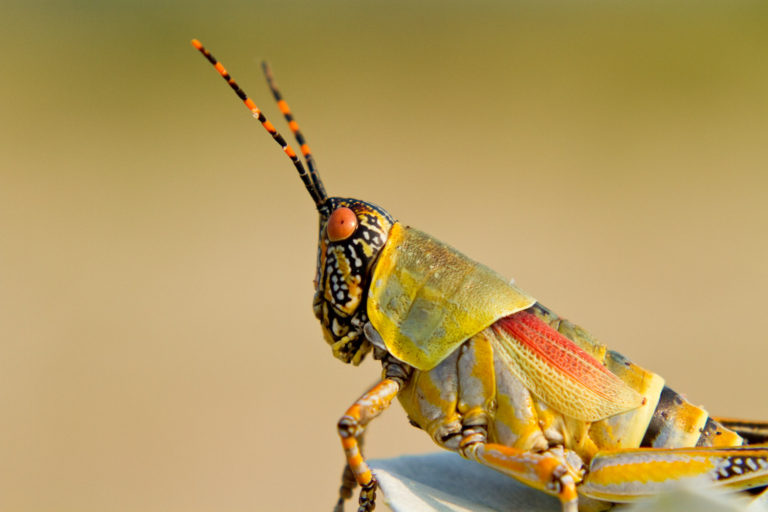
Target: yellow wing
{"points": [[558, 371]]}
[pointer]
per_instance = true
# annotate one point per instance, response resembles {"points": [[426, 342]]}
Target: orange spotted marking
{"points": [[501, 461], [269, 126], [546, 467], [366, 477], [251, 105], [568, 494]]}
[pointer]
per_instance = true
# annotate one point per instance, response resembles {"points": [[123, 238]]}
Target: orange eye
{"points": [[341, 224]]}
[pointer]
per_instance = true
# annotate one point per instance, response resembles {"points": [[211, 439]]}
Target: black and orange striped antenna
{"points": [[294, 126], [311, 180]]}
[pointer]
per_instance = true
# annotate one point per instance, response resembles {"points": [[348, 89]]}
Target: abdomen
{"points": [[473, 386]]}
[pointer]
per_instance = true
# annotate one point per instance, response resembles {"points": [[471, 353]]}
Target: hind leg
{"points": [[629, 475]]}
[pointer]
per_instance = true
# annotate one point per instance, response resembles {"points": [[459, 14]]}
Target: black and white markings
{"points": [[735, 467]]}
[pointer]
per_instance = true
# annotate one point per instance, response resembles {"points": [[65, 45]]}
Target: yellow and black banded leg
{"points": [[547, 471], [352, 425], [348, 482], [629, 475]]}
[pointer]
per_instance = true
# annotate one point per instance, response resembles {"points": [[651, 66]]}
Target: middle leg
{"points": [[481, 380], [549, 471]]}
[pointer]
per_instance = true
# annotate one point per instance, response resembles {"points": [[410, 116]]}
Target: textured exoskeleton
{"points": [[493, 375]]}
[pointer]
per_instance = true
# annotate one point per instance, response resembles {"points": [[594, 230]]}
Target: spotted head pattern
{"points": [[351, 235], [344, 267]]}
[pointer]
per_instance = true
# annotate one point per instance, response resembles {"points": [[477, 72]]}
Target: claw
{"points": [[368, 497]]}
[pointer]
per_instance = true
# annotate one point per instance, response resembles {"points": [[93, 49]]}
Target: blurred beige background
{"points": [[157, 346]]}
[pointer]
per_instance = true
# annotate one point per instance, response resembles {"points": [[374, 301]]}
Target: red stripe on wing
{"points": [[558, 351]]}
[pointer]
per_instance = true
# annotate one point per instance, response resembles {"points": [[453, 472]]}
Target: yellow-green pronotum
{"points": [[493, 375]]}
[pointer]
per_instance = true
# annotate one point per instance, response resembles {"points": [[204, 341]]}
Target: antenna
{"points": [[317, 193], [294, 126]]}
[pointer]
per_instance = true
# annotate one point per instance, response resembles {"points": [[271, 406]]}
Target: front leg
{"points": [[348, 482], [352, 425]]}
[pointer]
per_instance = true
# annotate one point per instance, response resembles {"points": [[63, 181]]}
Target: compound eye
{"points": [[341, 224]]}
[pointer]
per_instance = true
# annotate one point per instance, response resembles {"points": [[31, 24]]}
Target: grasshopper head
{"points": [[352, 233]]}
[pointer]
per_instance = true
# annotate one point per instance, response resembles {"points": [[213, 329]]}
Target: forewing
{"points": [[559, 372]]}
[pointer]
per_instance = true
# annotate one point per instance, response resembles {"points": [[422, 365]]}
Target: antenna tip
{"points": [[197, 44]]}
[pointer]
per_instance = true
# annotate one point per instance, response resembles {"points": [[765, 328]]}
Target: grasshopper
{"points": [[490, 373]]}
